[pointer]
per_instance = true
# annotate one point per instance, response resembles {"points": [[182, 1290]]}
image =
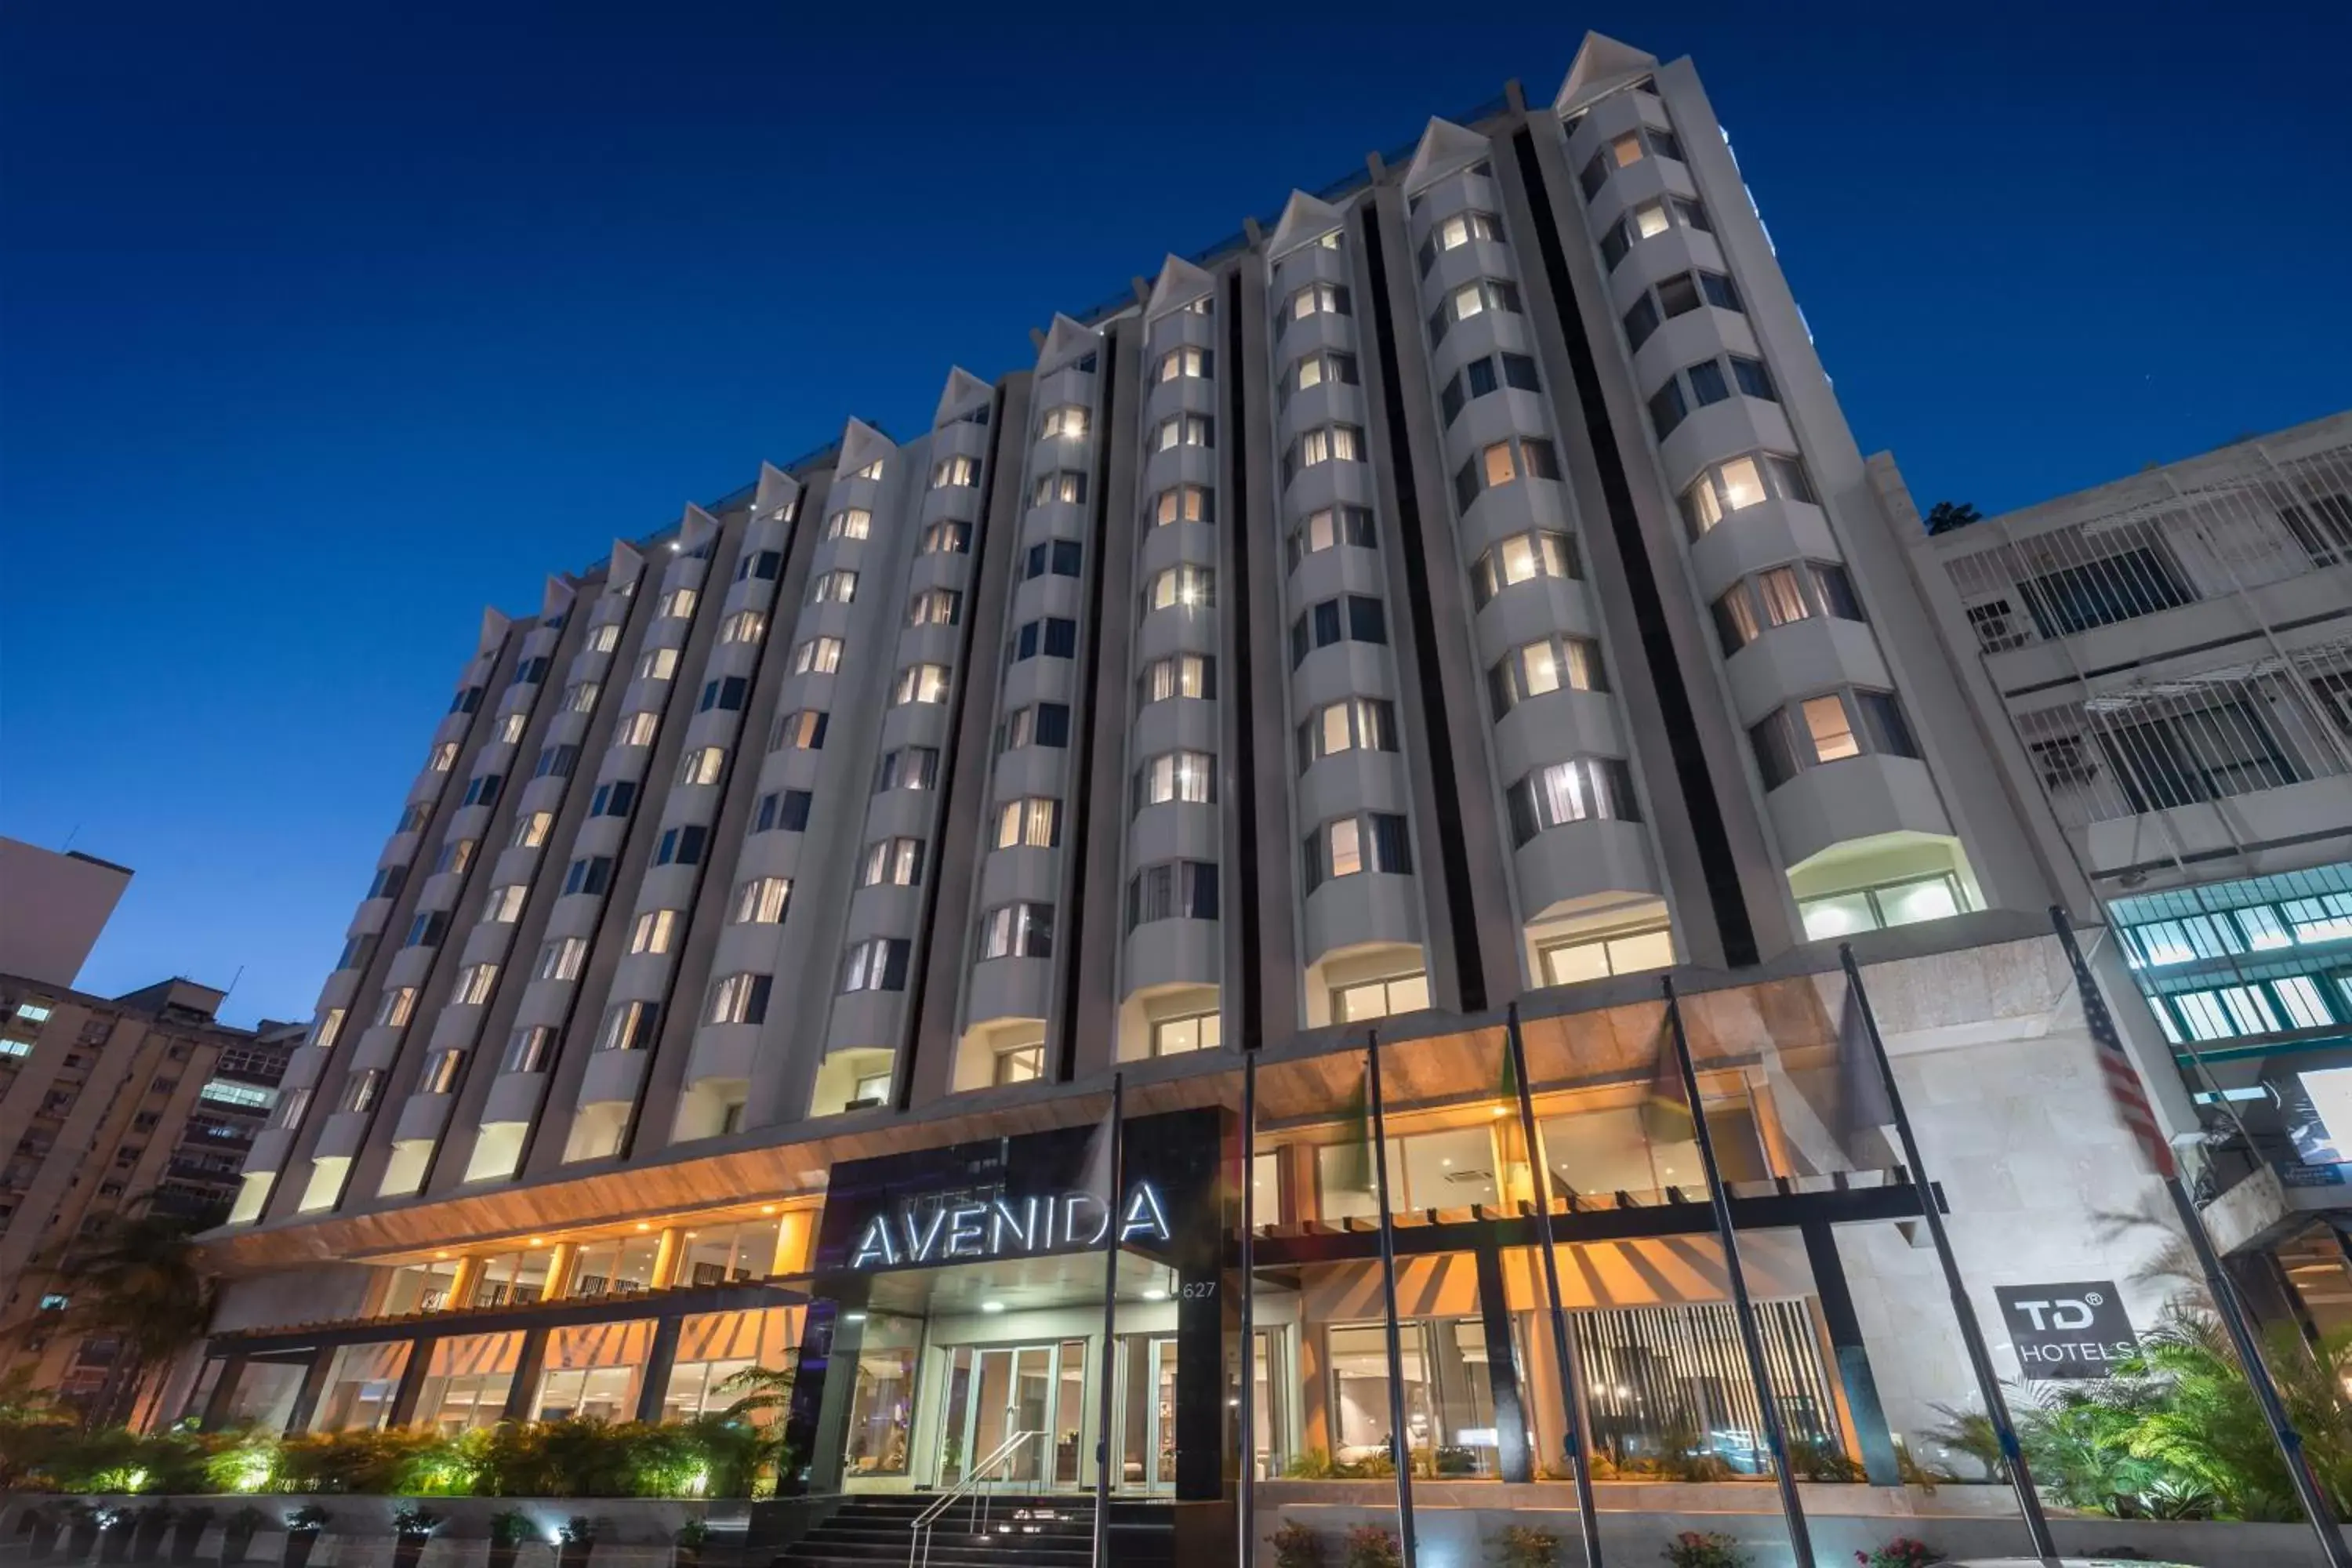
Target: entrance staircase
{"points": [[1009, 1530]]}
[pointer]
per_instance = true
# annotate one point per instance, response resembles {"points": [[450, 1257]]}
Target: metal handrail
{"points": [[919, 1532]]}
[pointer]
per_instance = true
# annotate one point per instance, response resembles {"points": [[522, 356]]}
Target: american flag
{"points": [[2115, 1062]]}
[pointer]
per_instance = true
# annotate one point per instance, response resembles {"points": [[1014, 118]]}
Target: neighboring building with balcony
{"points": [[1455, 597], [141, 1101], [2165, 667]]}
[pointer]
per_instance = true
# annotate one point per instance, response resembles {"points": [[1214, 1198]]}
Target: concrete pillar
{"points": [[224, 1394], [1514, 1435], [412, 1382], [531, 1365], [666, 1248], [462, 1286], [559, 1270], [1854, 1376], [795, 1240], [661, 1355], [314, 1383]]}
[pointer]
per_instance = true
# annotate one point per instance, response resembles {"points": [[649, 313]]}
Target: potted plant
{"points": [[412, 1527], [147, 1528], [1295, 1546], [1523, 1546], [1374, 1546], [688, 1543], [1703, 1549], [40, 1525], [509, 1528], [302, 1527], [188, 1532], [1903, 1551], [114, 1526], [578, 1539], [236, 1536]]}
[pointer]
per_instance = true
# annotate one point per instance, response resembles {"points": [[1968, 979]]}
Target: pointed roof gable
{"points": [[1304, 219], [558, 597], [861, 444], [1600, 63], [695, 528], [1066, 341], [626, 564], [494, 631], [1445, 147], [1179, 284], [964, 390], [775, 490]]}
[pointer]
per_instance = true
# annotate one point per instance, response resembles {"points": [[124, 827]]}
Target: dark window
{"points": [[681, 845], [1718, 290], [726, 693], [1776, 760], [787, 810], [1052, 724], [763, 563], [466, 701], [2116, 587], [482, 789], [1615, 244], [1883, 722], [1707, 383], [1837, 592], [556, 762], [1753, 378], [1519, 371], [613, 798], [590, 874], [1666, 409], [1641, 321], [1677, 295], [1365, 622]]}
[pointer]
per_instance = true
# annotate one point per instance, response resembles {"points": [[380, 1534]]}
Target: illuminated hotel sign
{"points": [[947, 1229]]}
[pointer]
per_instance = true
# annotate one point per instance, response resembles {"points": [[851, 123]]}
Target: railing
{"points": [[2141, 745], [2164, 544], [919, 1537]]}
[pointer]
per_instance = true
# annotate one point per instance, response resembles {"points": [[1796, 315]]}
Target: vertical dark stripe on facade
{"points": [[944, 821], [1075, 845], [1453, 857], [1240, 895], [1709, 835]]}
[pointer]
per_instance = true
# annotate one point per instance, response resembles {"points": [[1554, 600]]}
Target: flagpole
{"points": [[2223, 1289], [1398, 1448], [1248, 1487], [1801, 1537], [1571, 1401], [1103, 1403], [2021, 1476]]}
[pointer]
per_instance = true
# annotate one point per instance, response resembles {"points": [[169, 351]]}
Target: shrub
{"points": [[1903, 1551], [393, 1463], [1523, 1546], [409, 1520], [1295, 1546], [1703, 1549], [511, 1527], [1372, 1546]]}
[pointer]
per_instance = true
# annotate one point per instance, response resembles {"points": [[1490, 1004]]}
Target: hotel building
{"points": [[1455, 598], [2166, 666]]}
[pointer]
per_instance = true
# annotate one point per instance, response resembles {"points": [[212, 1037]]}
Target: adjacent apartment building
{"points": [[145, 1102], [1453, 603], [2166, 662]]}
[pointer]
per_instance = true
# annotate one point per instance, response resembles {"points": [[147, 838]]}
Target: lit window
{"points": [[934, 607], [510, 729], [504, 906], [1066, 420], [947, 538], [1546, 553], [892, 862], [580, 697], [1536, 669], [876, 966], [637, 729], [1359, 723], [1453, 233], [441, 1072], [677, 604], [1327, 526], [1341, 443], [1830, 731], [1192, 1032], [1315, 299], [1348, 845], [760, 901], [1017, 930], [443, 758], [1041, 724], [702, 765], [1019, 1064], [1183, 430], [803, 730], [530, 830], [1034, 823], [1184, 503], [653, 930], [849, 522], [1316, 369], [657, 664], [394, 1008], [604, 638], [1575, 791], [475, 983], [1185, 586], [628, 1026], [365, 1084], [326, 1027], [1182, 363], [1181, 675], [907, 767], [817, 655], [738, 999], [1173, 890], [833, 588], [1380, 999], [959, 472], [528, 1050], [920, 683], [1627, 953], [1067, 485], [1176, 776], [561, 959]]}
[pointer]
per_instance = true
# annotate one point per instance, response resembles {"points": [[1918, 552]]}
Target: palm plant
{"points": [[138, 1279], [757, 1388], [1945, 516]]}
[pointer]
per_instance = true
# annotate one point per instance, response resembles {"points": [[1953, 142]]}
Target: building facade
{"points": [[57, 906], [141, 1102], [2165, 667], [1455, 600]]}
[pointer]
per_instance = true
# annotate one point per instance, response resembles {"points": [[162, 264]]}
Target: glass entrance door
{"points": [[1033, 1393], [1147, 1413]]}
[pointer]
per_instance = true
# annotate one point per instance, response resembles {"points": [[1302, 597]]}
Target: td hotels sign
{"points": [[956, 1227], [2066, 1332]]}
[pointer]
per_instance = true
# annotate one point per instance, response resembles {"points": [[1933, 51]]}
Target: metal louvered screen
{"points": [[1671, 1383]]}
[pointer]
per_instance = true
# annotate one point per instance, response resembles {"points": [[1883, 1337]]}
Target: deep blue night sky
{"points": [[323, 325]]}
